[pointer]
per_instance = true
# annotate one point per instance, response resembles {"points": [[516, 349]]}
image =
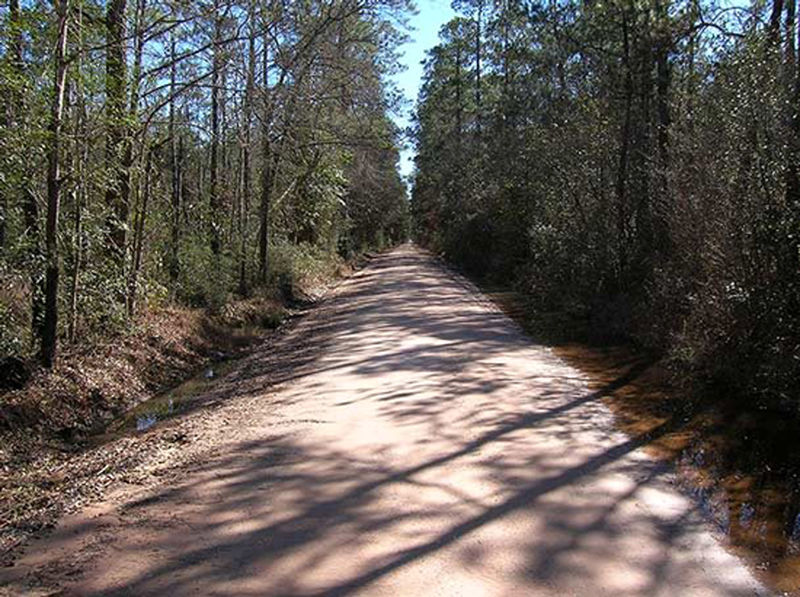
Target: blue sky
{"points": [[424, 35]]}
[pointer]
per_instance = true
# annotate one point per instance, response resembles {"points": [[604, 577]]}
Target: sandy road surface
{"points": [[417, 444]]}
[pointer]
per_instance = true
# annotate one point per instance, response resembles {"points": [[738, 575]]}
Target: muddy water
{"points": [[193, 392], [741, 463], [180, 399]]}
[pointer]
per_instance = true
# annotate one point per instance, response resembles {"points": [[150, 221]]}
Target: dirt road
{"points": [[416, 443]]}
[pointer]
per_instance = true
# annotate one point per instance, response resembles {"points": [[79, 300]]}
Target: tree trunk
{"points": [[792, 193], [774, 28], [622, 169], [50, 324], [662, 128], [8, 117], [76, 265], [246, 170], [135, 185], [138, 239], [81, 159], [266, 175], [214, 202], [117, 187], [478, 34], [226, 202], [505, 94], [266, 192], [174, 261], [459, 125]]}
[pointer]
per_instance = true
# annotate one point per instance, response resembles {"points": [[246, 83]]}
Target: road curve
{"points": [[416, 443]]}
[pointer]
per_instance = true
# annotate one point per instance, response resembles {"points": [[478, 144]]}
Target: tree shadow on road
{"points": [[293, 514], [332, 513]]}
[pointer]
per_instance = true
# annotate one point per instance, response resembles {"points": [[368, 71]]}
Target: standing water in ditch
{"points": [[182, 398], [740, 462]]}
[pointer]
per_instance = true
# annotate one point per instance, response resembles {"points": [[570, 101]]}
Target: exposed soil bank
{"points": [[741, 463], [59, 433], [46, 426]]}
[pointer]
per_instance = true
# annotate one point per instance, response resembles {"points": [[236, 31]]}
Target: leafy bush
{"points": [[297, 268]]}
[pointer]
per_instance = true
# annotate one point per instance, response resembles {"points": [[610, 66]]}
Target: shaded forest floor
{"points": [[69, 434], [741, 463]]}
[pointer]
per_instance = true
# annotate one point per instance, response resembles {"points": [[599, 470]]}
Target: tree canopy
{"points": [[168, 150], [633, 162]]}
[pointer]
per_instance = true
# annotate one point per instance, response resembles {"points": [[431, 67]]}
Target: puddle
{"points": [[193, 392], [740, 463], [742, 468], [181, 398]]}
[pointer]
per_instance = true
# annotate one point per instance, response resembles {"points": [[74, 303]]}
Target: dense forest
{"points": [[179, 152], [223, 357], [633, 163]]}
